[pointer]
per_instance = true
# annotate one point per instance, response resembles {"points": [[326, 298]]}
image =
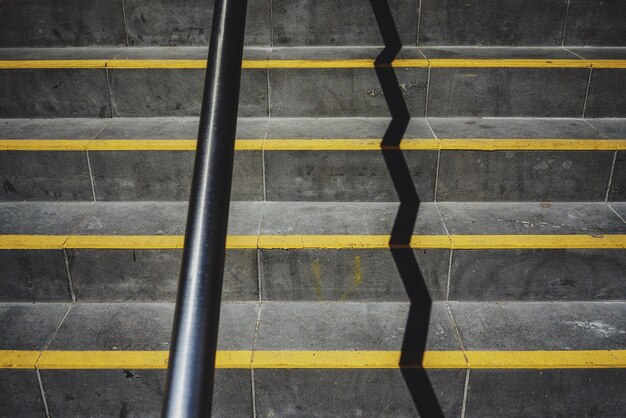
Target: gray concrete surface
{"points": [[523, 393], [491, 23], [20, 395], [539, 275], [354, 393]]}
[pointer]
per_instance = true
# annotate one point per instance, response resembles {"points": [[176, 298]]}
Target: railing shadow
{"points": [[416, 332]]}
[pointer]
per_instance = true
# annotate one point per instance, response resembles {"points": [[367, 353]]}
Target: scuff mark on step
{"points": [[404, 87], [130, 375], [8, 187], [599, 328]]}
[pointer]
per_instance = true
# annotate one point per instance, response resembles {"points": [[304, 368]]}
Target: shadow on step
{"points": [[414, 341]]}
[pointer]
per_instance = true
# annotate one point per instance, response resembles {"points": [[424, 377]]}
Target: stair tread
{"points": [[322, 326], [317, 128], [316, 53], [310, 218]]}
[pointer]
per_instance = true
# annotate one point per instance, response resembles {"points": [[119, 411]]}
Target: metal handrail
{"points": [[190, 374]]}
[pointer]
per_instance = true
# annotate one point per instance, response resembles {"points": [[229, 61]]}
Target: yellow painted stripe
{"points": [[505, 144], [546, 359], [342, 63], [131, 359], [608, 63], [347, 241], [32, 242], [484, 242], [149, 241], [345, 144], [353, 360], [314, 63], [245, 359], [18, 359], [469, 242], [46, 64], [507, 63]]}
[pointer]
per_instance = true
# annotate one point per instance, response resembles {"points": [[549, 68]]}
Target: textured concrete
{"points": [[174, 128], [497, 52], [543, 393], [491, 22], [619, 208], [341, 92], [343, 175], [151, 275], [167, 22], [75, 128], [540, 275], [20, 395], [145, 326], [30, 276], [153, 93], [530, 218], [610, 128], [596, 23], [341, 218], [166, 175], [617, 192], [523, 175], [541, 325], [536, 92], [348, 275], [41, 218], [27, 326], [523, 128], [347, 326], [326, 22], [135, 393], [607, 94], [333, 128], [61, 23], [33, 175], [354, 393], [54, 93]]}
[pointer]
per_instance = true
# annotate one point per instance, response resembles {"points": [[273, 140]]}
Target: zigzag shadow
{"points": [[416, 332]]}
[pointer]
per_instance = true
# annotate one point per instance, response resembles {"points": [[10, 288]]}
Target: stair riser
{"points": [[490, 392], [459, 175], [315, 92], [302, 22], [309, 275]]}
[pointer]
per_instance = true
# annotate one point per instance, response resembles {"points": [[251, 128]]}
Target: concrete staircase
{"points": [[471, 266]]}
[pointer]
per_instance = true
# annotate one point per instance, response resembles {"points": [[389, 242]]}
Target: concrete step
{"points": [[320, 251], [317, 159], [324, 22], [316, 82], [330, 359]]}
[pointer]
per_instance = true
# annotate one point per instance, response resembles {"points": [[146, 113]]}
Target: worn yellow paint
{"points": [[136, 242], [32, 242], [484, 242], [507, 63], [18, 359], [608, 63], [470, 242], [317, 279], [534, 144], [46, 64], [339, 144], [130, 359], [358, 275], [352, 359], [124, 64], [340, 359], [546, 359]]}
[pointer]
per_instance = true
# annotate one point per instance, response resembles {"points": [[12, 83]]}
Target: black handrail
{"points": [[190, 374]]}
